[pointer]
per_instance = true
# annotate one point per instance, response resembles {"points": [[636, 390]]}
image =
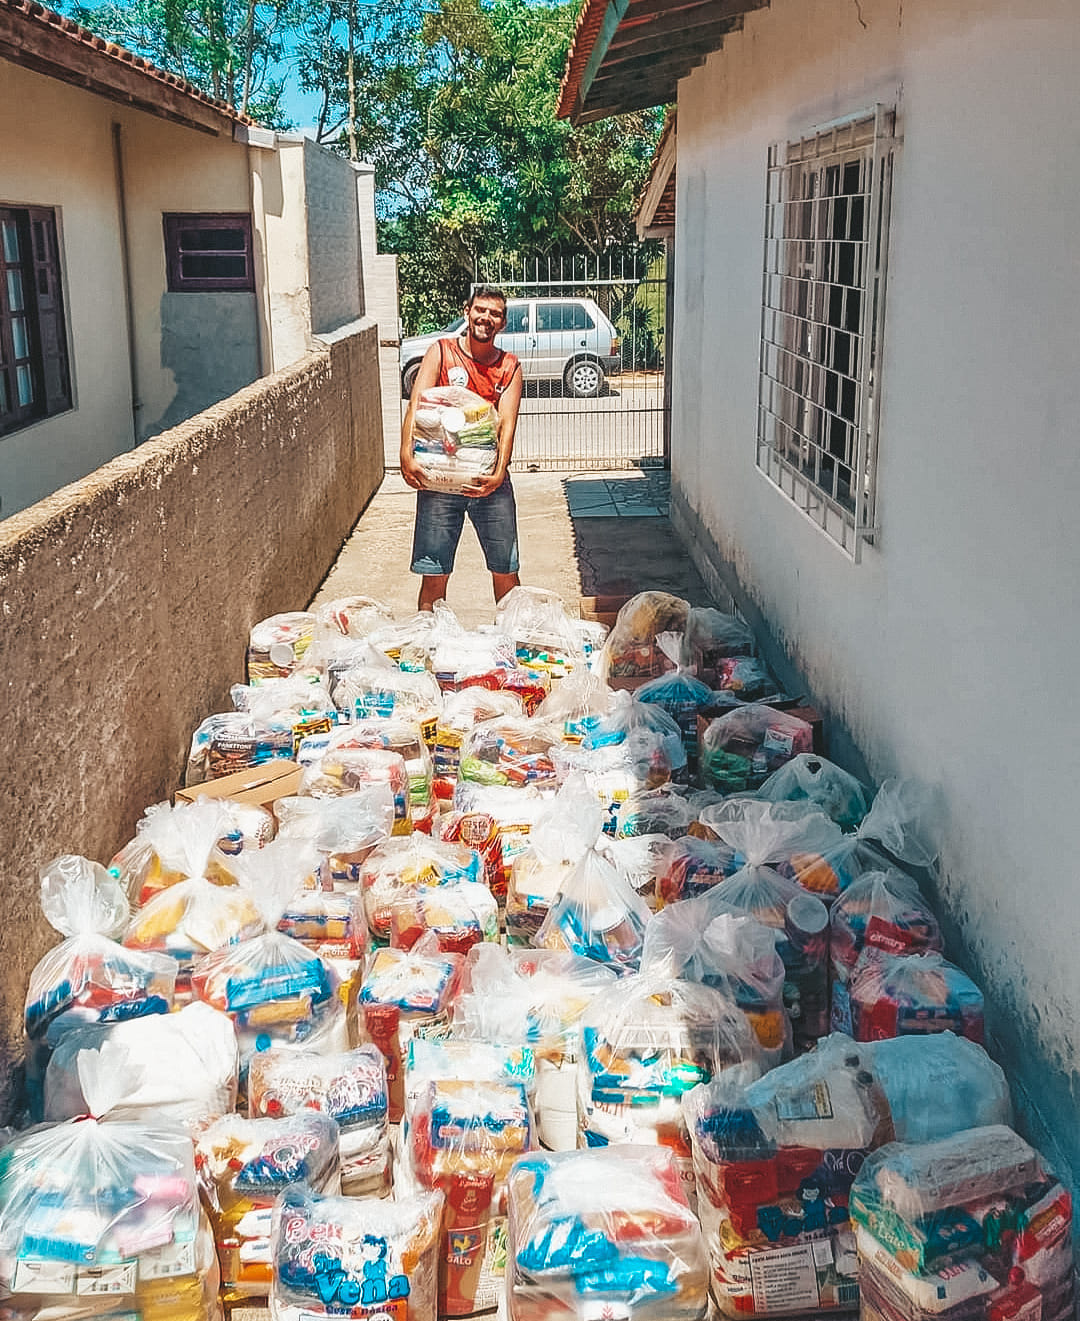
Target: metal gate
{"points": [[591, 333]]}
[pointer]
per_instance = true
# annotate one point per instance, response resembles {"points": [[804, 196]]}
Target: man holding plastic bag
{"points": [[456, 452]]}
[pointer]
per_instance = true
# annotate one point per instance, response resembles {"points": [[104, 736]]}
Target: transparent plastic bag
{"points": [[882, 910], [774, 1157], [278, 645], [386, 1256], [405, 992], [393, 735], [509, 752], [897, 832], [654, 812], [681, 694], [939, 1084], [178, 1068], [90, 977], [344, 830], [709, 638], [459, 658], [807, 776], [400, 866], [566, 827], [741, 749], [893, 995], [345, 770], [577, 704], [647, 1041], [455, 438], [597, 915], [691, 866], [243, 1164], [731, 952], [459, 914], [496, 821], [172, 844], [630, 650], [276, 991], [349, 1087], [406, 642], [102, 1218], [612, 1226], [643, 860], [351, 617], [796, 839], [543, 631], [365, 692], [461, 711], [972, 1224]]}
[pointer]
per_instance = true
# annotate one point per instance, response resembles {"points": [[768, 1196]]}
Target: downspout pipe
{"points": [[125, 263]]}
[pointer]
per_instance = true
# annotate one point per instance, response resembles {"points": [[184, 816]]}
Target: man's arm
{"points": [[509, 403], [425, 379]]}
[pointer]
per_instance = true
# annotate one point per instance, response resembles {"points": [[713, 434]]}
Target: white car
{"points": [[557, 339]]}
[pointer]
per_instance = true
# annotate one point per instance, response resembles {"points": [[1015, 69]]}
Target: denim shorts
{"points": [[440, 518]]}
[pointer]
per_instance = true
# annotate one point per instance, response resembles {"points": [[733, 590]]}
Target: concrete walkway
{"points": [[581, 534]]}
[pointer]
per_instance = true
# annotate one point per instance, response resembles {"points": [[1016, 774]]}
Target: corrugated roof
{"points": [[41, 39], [630, 54]]}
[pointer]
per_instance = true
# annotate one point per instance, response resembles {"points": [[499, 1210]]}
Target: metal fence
{"points": [[592, 336]]}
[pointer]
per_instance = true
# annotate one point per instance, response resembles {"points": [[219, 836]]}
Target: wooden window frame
{"points": [[47, 359], [175, 221]]}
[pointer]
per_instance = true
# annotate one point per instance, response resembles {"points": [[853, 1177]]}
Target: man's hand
{"points": [[412, 472], [481, 486]]}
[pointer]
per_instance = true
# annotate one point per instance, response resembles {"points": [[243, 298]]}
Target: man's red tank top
{"points": [[488, 380]]}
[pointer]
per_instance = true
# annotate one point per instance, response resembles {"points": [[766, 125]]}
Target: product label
{"points": [[784, 1279], [814, 1103], [173, 1259], [595, 1310], [97, 1280], [43, 1277], [776, 740]]}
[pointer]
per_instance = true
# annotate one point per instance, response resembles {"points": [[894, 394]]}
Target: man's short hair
{"points": [[485, 291]]}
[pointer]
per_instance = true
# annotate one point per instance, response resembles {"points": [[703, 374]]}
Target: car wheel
{"points": [[408, 379], [583, 378]]}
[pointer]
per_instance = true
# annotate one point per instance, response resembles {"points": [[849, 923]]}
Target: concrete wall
{"points": [[333, 230], [127, 599], [381, 302], [949, 652]]}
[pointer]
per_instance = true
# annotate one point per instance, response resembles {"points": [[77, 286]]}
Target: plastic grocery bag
{"points": [[654, 812], [406, 642], [679, 693], [400, 866], [276, 991], [455, 438], [731, 952], [577, 704], [534, 998], [939, 1084], [566, 827], [173, 844], [178, 1068], [630, 650], [632, 748], [392, 735], [895, 994], [711, 637], [647, 1041], [543, 632], [459, 914], [973, 1224], [349, 1087], [102, 1218], [510, 752], [795, 839], [461, 711], [739, 750], [366, 691], [344, 830], [612, 1226], [351, 617], [90, 977], [898, 829], [243, 1164], [597, 915], [808, 776], [385, 1256], [882, 910], [343, 771], [642, 859], [277, 646], [691, 866]]}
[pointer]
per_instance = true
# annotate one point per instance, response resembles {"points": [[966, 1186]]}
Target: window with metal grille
{"points": [[35, 381], [208, 253], [823, 304]]}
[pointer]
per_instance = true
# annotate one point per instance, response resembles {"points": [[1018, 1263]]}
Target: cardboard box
{"points": [[258, 785], [794, 706], [602, 609]]}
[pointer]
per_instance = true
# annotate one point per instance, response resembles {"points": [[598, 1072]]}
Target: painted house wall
{"points": [[333, 232], [949, 652], [62, 157]]}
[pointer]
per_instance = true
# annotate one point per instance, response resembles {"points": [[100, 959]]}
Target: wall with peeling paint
{"points": [[127, 599], [949, 653]]}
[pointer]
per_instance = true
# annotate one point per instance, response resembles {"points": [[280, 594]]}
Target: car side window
{"points": [[554, 316], [517, 316], [582, 320]]}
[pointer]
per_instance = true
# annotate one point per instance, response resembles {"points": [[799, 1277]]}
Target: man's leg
{"points": [[501, 583], [432, 589]]}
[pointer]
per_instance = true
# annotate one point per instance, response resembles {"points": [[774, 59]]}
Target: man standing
{"points": [[474, 361]]}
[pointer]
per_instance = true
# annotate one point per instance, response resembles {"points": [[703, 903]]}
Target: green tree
{"points": [[457, 113], [234, 50]]}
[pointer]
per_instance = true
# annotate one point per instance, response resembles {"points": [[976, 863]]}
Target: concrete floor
{"points": [[580, 534]]}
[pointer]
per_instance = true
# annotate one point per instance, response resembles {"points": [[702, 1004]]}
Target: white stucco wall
{"points": [[337, 294], [61, 157], [950, 651]]}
